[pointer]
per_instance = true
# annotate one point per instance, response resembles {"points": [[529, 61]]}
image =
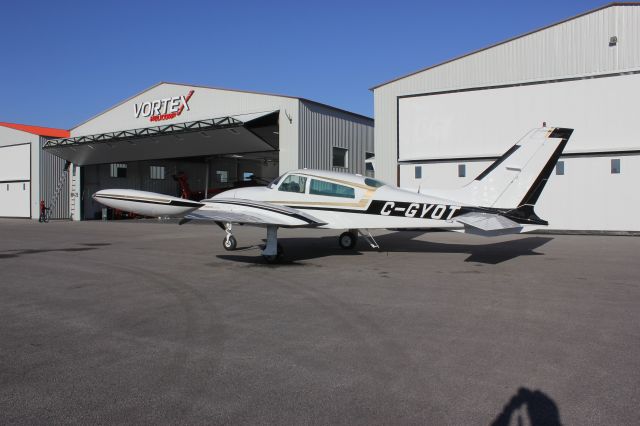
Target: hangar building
{"points": [[441, 126], [208, 139], [26, 171]]}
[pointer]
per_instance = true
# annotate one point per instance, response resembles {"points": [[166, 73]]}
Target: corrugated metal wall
{"points": [[321, 128], [51, 168], [576, 48]]}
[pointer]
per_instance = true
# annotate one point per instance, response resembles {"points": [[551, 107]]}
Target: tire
{"points": [[230, 243], [275, 258], [348, 240]]}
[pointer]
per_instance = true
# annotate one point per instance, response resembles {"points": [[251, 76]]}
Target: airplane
{"points": [[499, 201]]}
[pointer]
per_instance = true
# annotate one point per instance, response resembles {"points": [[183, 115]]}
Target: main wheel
{"points": [[348, 240], [275, 258], [229, 243]]}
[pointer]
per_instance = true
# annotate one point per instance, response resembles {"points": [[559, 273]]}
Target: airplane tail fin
{"points": [[514, 182]]}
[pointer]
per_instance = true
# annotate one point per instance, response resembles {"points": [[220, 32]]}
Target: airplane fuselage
{"points": [[366, 204]]}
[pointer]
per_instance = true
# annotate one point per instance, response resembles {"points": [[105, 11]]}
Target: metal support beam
{"points": [[147, 132]]}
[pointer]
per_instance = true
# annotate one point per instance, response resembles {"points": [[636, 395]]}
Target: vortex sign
{"points": [[163, 109]]}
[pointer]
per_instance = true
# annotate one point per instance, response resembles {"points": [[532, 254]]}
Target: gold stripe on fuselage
{"points": [[364, 201]]}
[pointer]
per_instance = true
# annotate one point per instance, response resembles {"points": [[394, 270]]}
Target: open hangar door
{"points": [[15, 181], [193, 160]]}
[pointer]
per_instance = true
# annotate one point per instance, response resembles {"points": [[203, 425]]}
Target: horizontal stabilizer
{"points": [[488, 222]]}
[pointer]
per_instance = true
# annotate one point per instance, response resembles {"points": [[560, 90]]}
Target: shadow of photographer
{"points": [[529, 407]]}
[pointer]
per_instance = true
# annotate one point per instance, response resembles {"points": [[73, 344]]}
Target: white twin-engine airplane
{"points": [[499, 201]]}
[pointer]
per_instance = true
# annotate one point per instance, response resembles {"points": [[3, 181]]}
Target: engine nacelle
{"points": [[145, 203]]}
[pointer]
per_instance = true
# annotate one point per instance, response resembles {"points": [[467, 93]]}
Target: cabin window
{"points": [[560, 168], [615, 166], [118, 170], [293, 183], [319, 187], [462, 170], [156, 172], [374, 182], [340, 157], [418, 172]]}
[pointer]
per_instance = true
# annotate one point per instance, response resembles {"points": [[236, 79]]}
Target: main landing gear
{"points": [[348, 239], [272, 251]]}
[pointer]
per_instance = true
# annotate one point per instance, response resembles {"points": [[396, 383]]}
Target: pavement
{"points": [[148, 323]]}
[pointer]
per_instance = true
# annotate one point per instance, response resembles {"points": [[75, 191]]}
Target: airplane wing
{"points": [[488, 223], [249, 212]]}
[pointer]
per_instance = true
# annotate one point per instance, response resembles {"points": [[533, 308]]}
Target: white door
{"points": [[15, 181]]}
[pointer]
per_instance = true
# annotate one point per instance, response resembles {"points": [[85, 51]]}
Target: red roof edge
{"points": [[38, 130]]}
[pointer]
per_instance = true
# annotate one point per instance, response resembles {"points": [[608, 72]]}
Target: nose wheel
{"points": [[349, 239], [229, 243]]}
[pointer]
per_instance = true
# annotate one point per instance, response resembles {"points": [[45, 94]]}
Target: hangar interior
{"points": [[234, 139], [189, 160]]}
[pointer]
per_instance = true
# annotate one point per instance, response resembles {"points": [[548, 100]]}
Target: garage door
{"points": [[15, 181]]}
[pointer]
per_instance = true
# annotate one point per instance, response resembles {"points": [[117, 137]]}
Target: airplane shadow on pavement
{"points": [[529, 407], [300, 249]]}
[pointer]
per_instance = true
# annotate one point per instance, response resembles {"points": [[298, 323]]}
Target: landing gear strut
{"points": [[272, 252], [349, 239], [229, 243]]}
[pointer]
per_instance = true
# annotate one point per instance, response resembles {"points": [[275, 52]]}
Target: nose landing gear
{"points": [[229, 243], [272, 252]]}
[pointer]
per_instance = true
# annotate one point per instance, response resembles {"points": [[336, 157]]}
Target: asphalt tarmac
{"points": [[150, 323]]}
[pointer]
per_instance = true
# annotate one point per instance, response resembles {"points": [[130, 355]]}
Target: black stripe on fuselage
{"points": [[138, 200], [431, 211], [398, 209]]}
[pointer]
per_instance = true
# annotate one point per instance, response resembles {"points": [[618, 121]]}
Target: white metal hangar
{"points": [[441, 126], [25, 170], [194, 141]]}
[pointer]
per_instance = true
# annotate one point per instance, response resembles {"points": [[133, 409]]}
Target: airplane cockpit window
{"points": [[293, 183], [374, 182], [319, 187]]}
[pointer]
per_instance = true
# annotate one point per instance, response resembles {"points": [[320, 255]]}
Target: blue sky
{"points": [[66, 61]]}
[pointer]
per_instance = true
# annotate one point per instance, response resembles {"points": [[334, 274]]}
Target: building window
{"points": [[418, 172], [462, 170], [340, 157], [615, 166], [560, 168], [222, 176], [118, 170], [247, 176], [156, 172]]}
